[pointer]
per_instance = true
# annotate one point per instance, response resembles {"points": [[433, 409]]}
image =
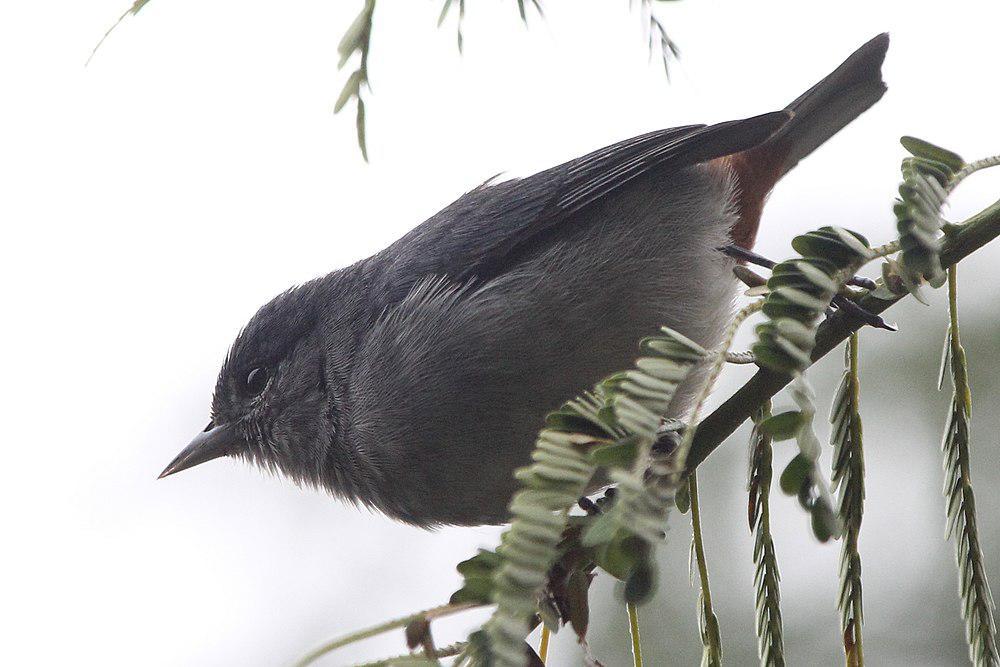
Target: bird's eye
{"points": [[256, 381]]}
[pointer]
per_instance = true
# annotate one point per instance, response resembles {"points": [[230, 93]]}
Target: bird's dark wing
{"points": [[483, 232]]}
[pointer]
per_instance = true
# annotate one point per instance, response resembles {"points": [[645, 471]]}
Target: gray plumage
{"points": [[415, 380]]}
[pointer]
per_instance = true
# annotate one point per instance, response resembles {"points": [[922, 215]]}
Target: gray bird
{"points": [[414, 381]]}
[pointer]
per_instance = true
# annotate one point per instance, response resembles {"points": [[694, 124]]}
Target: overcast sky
{"points": [[151, 201]]}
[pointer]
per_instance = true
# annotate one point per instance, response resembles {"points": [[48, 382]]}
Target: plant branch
{"points": [[633, 626], [977, 600], [428, 615], [969, 237], [417, 659], [708, 623]]}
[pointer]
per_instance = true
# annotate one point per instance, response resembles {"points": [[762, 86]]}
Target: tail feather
{"points": [[817, 115], [831, 104]]}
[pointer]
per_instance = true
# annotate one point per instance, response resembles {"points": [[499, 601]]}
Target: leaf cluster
{"points": [[770, 636], [542, 568], [848, 479]]}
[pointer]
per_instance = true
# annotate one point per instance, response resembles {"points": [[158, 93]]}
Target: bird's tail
{"points": [[817, 115], [831, 104]]}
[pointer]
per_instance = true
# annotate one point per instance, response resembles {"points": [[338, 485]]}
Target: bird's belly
{"points": [[549, 329]]}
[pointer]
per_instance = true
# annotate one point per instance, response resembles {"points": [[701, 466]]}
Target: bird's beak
{"points": [[213, 442]]}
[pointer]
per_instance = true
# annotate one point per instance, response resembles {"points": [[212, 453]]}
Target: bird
{"points": [[414, 381]]}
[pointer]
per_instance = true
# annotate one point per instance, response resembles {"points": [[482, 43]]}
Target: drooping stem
{"points": [[856, 529], [770, 643], [699, 546], [633, 626], [718, 363], [977, 600], [543, 646], [710, 636], [959, 368], [848, 474]]}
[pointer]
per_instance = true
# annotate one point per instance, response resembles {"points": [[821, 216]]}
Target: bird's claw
{"points": [[750, 257], [871, 319], [840, 301]]}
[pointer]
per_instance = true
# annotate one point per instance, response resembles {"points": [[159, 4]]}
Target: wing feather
{"points": [[485, 231]]}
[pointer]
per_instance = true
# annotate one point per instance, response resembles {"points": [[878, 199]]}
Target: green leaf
{"points": [[682, 499], [356, 36], [767, 357], [601, 531], [444, 12], [824, 522], [783, 426], [618, 557], [477, 573], [795, 475], [640, 583], [351, 89], [816, 244], [926, 149], [945, 360], [361, 129], [620, 454]]}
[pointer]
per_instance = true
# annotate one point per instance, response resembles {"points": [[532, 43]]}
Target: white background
{"points": [[151, 201]]}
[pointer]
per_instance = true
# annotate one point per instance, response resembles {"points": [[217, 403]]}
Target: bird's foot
{"points": [[750, 257], [840, 301], [594, 507]]}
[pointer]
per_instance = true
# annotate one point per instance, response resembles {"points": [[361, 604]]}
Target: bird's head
{"points": [[272, 404]]}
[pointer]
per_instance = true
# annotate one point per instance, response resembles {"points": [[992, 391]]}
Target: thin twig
{"points": [[340, 642], [543, 647], [633, 627], [680, 457], [709, 623], [971, 168], [417, 659]]}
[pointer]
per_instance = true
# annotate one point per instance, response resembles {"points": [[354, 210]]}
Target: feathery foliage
{"points": [[623, 412], [357, 39], [803, 476], [927, 176], [770, 643], [977, 599], [659, 42], [131, 11], [559, 475], [849, 479], [800, 291], [445, 8]]}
